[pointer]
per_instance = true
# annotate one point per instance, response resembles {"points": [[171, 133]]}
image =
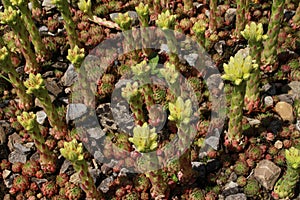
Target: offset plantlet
{"points": [[12, 17], [35, 85], [63, 7], [199, 30], [285, 186], [14, 77], [255, 37], [76, 56], [237, 71], [143, 14], [47, 159], [36, 39], [172, 76], [269, 54], [73, 151]]}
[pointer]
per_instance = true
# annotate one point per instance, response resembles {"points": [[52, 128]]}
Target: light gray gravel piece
{"points": [[16, 156]]}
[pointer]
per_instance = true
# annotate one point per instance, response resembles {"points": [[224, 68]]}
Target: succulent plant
{"points": [[20, 183], [196, 194], [62, 179], [124, 21], [241, 168], [143, 14], [237, 71], [251, 188], [49, 189], [74, 153], [30, 168], [141, 183], [241, 16], [86, 7], [166, 20], [5, 164], [73, 192], [285, 186]]}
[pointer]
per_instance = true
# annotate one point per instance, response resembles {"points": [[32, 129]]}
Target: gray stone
{"points": [[16, 156], [22, 148], [268, 100], [95, 133], [39, 181], [6, 173], [52, 86], [230, 14], [286, 98], [219, 46], [230, 188], [75, 111], [269, 88], [253, 122], [60, 65], [66, 164], [285, 110], [267, 173], [8, 182], [191, 59], [95, 173], [239, 196], [41, 117], [12, 139], [104, 185], [70, 76]]}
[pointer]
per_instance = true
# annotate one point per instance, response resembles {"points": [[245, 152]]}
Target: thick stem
{"points": [[240, 17], [286, 185], [213, 15]]}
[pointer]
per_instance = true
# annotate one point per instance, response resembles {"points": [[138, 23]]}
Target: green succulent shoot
{"points": [[18, 2], [34, 83], [180, 111], [166, 20], [170, 73], [292, 156], [27, 120], [124, 21], [9, 16], [141, 69], [199, 27], [76, 56], [254, 32], [130, 91], [3, 54], [143, 13], [85, 6], [238, 68], [144, 138], [72, 151]]}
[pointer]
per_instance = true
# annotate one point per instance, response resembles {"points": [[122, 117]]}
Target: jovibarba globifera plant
{"points": [[73, 151], [237, 71], [285, 186], [35, 85], [47, 158], [14, 77], [254, 34]]}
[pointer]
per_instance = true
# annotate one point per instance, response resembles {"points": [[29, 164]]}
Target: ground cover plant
{"points": [[149, 99]]}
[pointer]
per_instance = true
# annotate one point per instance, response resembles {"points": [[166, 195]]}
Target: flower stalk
{"points": [[47, 159], [35, 85], [73, 151], [254, 34], [14, 77], [237, 71], [242, 9], [285, 186], [269, 54], [11, 17]]}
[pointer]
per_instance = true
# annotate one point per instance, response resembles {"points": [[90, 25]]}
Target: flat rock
{"points": [[295, 89], [75, 111], [22, 148], [267, 173], [69, 77], [52, 86], [286, 98], [239, 196], [16, 156], [285, 110], [104, 185]]}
